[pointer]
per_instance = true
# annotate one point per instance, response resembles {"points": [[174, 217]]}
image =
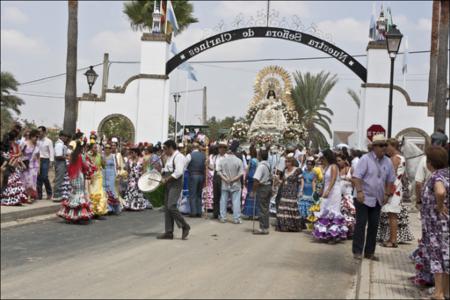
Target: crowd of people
{"points": [[334, 194]]}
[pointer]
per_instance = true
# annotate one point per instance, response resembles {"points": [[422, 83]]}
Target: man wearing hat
{"points": [[60, 164], [373, 177]]}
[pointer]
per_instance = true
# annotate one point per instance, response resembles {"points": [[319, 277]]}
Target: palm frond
{"points": [[355, 97]]}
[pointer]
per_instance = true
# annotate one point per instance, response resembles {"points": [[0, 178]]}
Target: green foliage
{"points": [[9, 104], [220, 128], [118, 127], [139, 13], [172, 126], [309, 95]]}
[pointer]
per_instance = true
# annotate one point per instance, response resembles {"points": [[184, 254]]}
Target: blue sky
{"points": [[33, 45]]}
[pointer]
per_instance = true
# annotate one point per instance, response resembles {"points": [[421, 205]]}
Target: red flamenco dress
{"points": [[77, 208], [14, 192]]}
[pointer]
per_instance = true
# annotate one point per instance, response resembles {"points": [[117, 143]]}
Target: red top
{"points": [[75, 168]]}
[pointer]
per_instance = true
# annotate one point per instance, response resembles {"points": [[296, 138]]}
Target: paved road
{"points": [[120, 258]]}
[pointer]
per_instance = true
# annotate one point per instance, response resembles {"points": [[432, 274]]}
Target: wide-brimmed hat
{"points": [[223, 144], [378, 139]]}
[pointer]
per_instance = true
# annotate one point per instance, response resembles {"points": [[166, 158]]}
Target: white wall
{"points": [[144, 102]]}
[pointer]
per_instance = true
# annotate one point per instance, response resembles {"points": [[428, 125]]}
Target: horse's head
{"points": [[413, 154]]}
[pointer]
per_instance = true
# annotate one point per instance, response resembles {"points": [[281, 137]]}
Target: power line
{"points": [[286, 59], [36, 95], [54, 76]]}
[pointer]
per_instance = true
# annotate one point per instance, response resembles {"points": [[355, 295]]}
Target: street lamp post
{"points": [[393, 40], [176, 99], [91, 76]]}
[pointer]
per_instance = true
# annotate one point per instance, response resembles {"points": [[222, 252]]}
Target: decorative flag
{"points": [[389, 19], [171, 17], [372, 28], [185, 66], [405, 56]]}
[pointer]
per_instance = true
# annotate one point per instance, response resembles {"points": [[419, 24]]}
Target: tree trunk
{"points": [[440, 109], [71, 102], [433, 55]]}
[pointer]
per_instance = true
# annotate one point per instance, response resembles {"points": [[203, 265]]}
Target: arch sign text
{"points": [[268, 32]]}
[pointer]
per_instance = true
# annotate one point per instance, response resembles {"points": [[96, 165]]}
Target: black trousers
{"points": [[217, 193], [172, 214], [371, 217], [263, 195]]}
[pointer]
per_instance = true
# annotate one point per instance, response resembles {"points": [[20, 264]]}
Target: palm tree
{"points": [[8, 103], [309, 95], [355, 97], [440, 107], [139, 13], [71, 102], [433, 54]]}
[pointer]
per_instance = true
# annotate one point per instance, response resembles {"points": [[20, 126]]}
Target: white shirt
{"points": [[60, 149], [355, 163], [262, 173], [178, 163], [46, 149]]}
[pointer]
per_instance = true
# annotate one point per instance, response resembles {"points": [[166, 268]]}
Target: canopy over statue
{"points": [[271, 116]]}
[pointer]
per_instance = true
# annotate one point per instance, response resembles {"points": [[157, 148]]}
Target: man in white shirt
{"points": [[173, 178], [60, 165], [217, 181], [46, 154], [262, 187]]}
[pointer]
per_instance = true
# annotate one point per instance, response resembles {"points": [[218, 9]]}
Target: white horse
{"points": [[413, 155]]}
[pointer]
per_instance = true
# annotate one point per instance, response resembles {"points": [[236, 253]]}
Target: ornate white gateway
{"points": [[272, 116]]}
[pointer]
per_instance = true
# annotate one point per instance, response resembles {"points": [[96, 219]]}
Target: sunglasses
{"points": [[381, 145]]}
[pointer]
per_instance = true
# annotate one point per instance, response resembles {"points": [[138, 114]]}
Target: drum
{"points": [[149, 181]]}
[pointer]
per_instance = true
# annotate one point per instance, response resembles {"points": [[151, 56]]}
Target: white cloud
{"points": [[346, 30], [124, 43], [14, 15], [424, 24], [229, 10], [17, 41]]}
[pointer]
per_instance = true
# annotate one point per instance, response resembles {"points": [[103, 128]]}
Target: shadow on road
{"points": [[146, 234]]}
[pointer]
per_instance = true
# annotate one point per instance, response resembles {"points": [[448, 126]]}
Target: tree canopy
{"points": [[309, 95], [140, 14], [9, 104]]}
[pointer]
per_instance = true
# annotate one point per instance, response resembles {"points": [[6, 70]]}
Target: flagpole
{"points": [[186, 103], [268, 10], [165, 18]]}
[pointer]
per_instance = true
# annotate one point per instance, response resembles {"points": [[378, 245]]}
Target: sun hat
{"points": [[378, 139]]}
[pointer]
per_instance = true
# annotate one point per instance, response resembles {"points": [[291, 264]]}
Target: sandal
{"points": [[389, 245]]}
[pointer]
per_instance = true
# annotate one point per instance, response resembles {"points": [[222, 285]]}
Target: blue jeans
{"points": [[236, 201], [43, 178], [195, 193]]}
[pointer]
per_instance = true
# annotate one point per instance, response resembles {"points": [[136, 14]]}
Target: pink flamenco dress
{"points": [[77, 208], [207, 193], [330, 224]]}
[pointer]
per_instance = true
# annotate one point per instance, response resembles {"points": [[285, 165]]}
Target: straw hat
{"points": [[378, 139]]}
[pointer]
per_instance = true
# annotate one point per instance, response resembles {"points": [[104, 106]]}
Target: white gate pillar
{"points": [[152, 118], [374, 106]]}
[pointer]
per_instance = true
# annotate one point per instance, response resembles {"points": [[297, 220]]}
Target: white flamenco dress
{"points": [[330, 224]]}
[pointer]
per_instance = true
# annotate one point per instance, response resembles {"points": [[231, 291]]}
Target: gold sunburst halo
{"points": [[274, 76]]}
